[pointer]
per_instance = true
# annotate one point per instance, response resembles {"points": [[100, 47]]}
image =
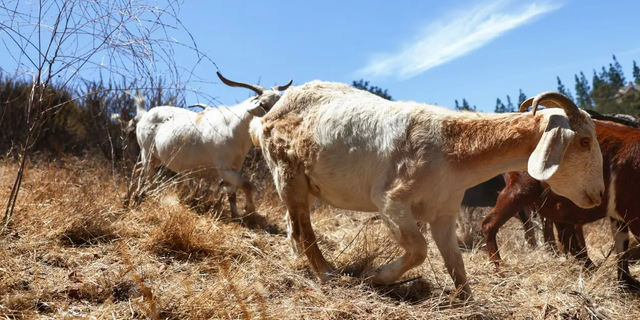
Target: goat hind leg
{"points": [[443, 231], [529, 230], [548, 235], [582, 254], [572, 238], [491, 223], [231, 196], [293, 190], [293, 228]]}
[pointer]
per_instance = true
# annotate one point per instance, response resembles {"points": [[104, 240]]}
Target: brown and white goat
{"points": [[412, 162], [620, 147]]}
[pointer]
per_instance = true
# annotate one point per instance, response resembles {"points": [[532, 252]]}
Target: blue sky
{"points": [[429, 51]]}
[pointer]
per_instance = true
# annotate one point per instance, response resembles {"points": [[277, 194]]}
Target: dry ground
{"points": [[74, 251]]}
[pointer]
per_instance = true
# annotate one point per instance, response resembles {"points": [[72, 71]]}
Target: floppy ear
{"points": [[258, 110], [546, 158]]}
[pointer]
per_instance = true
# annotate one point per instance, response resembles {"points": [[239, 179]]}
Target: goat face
{"points": [[568, 158], [264, 102]]}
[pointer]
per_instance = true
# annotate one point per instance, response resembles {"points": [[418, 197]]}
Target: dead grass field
{"points": [[73, 251]]}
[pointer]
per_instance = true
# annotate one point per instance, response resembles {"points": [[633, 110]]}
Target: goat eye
{"points": [[585, 142]]}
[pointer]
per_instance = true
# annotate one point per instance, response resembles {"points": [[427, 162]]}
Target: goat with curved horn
{"points": [[284, 87], [253, 87], [554, 100], [265, 99]]}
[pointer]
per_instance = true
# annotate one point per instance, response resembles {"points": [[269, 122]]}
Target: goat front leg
{"points": [[443, 231], [620, 232], [398, 217]]}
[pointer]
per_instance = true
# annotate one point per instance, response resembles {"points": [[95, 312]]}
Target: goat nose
{"points": [[601, 194]]}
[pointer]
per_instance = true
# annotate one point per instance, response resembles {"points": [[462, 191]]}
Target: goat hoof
{"points": [[465, 296], [381, 276], [326, 275], [629, 283], [590, 266]]}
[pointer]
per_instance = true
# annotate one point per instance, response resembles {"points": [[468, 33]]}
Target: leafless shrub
{"points": [[57, 43]]}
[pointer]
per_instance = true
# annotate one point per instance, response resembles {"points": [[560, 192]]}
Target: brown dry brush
{"points": [[73, 251]]}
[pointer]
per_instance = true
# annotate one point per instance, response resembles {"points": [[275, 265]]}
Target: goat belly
{"points": [[347, 186]]}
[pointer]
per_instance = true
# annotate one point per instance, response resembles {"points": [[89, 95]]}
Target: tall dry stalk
{"points": [[65, 42]]}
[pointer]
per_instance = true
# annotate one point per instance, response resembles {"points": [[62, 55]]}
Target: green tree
{"points": [[597, 80], [521, 98], [582, 92], [616, 75], [562, 89], [465, 105], [500, 107], [364, 85], [604, 75], [603, 92], [509, 106], [636, 73]]}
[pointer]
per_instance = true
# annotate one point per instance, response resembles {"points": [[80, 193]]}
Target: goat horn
{"points": [[253, 87], [283, 88], [554, 100]]}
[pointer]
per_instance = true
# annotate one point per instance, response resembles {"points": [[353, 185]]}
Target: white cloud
{"points": [[454, 36]]}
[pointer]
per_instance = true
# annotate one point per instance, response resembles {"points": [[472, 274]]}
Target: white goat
{"points": [[212, 143], [413, 162]]}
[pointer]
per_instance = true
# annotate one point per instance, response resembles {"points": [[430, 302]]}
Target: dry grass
{"points": [[73, 251]]}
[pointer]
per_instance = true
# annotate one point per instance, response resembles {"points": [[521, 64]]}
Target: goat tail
{"points": [[140, 103], [255, 131]]}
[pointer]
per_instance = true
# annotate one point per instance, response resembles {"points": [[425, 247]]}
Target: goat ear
{"points": [[546, 158], [258, 110]]}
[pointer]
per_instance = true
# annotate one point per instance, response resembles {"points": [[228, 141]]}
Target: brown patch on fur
{"points": [[199, 117], [287, 140], [469, 141]]}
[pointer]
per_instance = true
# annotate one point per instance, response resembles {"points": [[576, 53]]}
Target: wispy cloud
{"points": [[454, 36]]}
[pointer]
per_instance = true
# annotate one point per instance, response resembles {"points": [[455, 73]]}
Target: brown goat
{"points": [[620, 147]]}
